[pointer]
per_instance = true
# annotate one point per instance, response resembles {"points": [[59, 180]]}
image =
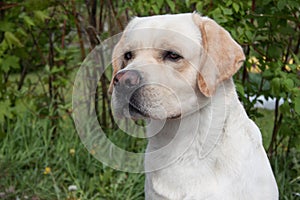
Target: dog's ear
{"points": [[221, 55]]}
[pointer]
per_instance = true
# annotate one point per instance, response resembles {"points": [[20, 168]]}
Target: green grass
{"points": [[285, 164], [28, 148], [265, 125]]}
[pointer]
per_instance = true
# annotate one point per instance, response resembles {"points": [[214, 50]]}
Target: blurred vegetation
{"points": [[42, 44]]}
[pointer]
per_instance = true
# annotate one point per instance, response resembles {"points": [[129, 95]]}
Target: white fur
{"points": [[237, 168], [213, 151]]}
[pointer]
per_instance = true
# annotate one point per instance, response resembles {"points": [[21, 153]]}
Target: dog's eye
{"points": [[128, 55], [172, 56]]}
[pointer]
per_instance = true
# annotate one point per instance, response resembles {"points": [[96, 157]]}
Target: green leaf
{"points": [[216, 13], [218, 16], [281, 4], [228, 3], [6, 26], [28, 21], [11, 40], [56, 69], [285, 128], [10, 62], [249, 35], [285, 107], [37, 4], [240, 89], [265, 2], [171, 4], [297, 105], [40, 15], [275, 85], [19, 108], [22, 53], [199, 6], [288, 83], [236, 7], [160, 3], [286, 30], [187, 3], [293, 4], [295, 57], [155, 9], [227, 11], [5, 110], [22, 32], [274, 51]]}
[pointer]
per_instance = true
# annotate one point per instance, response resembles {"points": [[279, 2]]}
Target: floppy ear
{"points": [[221, 57]]}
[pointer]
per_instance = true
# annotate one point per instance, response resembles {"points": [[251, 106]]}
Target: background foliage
{"points": [[42, 44]]}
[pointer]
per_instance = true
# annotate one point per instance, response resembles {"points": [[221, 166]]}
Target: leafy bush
{"points": [[42, 43]]}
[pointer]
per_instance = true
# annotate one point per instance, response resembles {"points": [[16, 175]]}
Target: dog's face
{"points": [[168, 66]]}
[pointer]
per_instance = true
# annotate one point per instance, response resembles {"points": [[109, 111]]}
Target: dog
{"points": [[176, 71]]}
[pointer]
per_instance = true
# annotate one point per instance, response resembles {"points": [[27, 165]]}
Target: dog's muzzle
{"points": [[127, 83]]}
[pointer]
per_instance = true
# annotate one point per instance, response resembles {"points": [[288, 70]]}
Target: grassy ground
{"points": [[34, 164], [286, 164]]}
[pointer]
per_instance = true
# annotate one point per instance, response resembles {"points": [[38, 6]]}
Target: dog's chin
{"points": [[135, 113]]}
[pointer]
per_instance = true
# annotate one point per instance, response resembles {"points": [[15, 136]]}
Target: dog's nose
{"points": [[126, 80]]}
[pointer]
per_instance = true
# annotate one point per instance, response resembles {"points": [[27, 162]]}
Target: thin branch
{"points": [[101, 21], [63, 34], [276, 126], [4, 6], [116, 15], [82, 50], [253, 7], [22, 77]]}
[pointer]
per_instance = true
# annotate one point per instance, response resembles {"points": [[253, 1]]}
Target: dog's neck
{"points": [[196, 132]]}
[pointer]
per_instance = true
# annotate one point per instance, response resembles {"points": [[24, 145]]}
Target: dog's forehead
{"points": [[166, 28]]}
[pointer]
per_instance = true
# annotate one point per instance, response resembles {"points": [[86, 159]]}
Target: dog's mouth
{"points": [[143, 104], [136, 112]]}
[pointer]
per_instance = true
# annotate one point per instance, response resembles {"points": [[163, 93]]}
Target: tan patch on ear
{"points": [[221, 57], [202, 86]]}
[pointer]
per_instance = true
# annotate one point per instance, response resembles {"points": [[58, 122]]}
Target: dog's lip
{"points": [[136, 110], [175, 116]]}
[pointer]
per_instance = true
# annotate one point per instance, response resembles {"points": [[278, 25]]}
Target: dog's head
{"points": [[167, 66]]}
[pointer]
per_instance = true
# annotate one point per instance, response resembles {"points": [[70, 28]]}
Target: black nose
{"points": [[127, 80]]}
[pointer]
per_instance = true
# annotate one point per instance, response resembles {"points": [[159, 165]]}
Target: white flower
{"points": [[72, 188]]}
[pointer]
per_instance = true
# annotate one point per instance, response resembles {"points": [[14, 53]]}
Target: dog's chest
{"points": [[188, 182], [193, 178]]}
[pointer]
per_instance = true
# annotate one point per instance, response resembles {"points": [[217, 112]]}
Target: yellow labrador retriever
{"points": [[176, 71]]}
